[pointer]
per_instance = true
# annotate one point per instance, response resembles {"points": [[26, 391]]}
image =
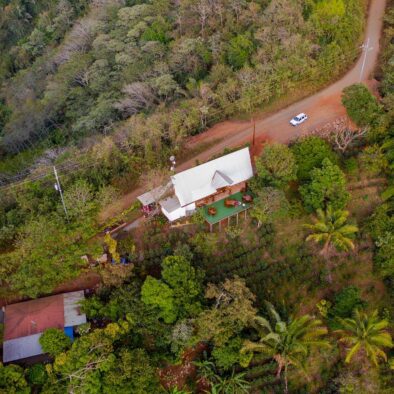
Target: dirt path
{"points": [[322, 108]]}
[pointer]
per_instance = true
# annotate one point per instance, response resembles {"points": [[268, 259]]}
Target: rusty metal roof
{"points": [[32, 317]]}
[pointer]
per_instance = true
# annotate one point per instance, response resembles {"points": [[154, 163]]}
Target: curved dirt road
{"points": [[322, 108]]}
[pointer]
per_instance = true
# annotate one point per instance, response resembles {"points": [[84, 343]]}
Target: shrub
{"points": [[351, 165], [361, 106], [228, 355], [37, 375], [54, 341], [346, 301]]}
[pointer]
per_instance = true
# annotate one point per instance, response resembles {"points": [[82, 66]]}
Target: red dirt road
{"points": [[322, 108]]}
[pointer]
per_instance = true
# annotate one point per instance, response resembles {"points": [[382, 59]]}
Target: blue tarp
{"points": [[69, 331]]}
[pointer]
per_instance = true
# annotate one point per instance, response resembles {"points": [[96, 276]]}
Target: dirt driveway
{"points": [[322, 108]]}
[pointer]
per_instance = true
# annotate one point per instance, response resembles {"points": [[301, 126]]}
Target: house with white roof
{"points": [[220, 180]]}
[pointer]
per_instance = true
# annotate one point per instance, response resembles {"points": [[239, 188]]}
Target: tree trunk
{"points": [[329, 275], [324, 253], [286, 385]]}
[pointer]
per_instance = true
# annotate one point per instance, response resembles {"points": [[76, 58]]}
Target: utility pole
{"points": [[366, 48], [254, 132], [59, 189], [173, 163]]}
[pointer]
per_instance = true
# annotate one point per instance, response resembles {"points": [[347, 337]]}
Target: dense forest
{"points": [[168, 67], [298, 298]]}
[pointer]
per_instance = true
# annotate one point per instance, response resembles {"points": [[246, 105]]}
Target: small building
{"points": [[220, 180], [25, 322], [149, 200]]}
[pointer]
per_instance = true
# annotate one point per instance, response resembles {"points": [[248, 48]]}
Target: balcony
{"points": [[218, 211]]}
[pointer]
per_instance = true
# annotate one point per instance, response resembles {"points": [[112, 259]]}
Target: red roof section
{"points": [[33, 317]]}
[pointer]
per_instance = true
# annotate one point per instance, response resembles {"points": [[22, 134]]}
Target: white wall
{"points": [[174, 215]]}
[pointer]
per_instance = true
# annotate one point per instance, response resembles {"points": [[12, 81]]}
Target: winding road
{"points": [[322, 108]]}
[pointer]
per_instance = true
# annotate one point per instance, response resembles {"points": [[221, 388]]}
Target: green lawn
{"points": [[222, 211]]}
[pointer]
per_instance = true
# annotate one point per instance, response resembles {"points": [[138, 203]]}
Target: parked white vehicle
{"points": [[300, 118]]}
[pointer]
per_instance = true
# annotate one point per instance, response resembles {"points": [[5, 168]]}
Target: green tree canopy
{"points": [[54, 341], [309, 153], [177, 294], [156, 293], [125, 301], [239, 51], [49, 252], [186, 283], [12, 380], [327, 186], [276, 167], [231, 311], [362, 107], [97, 363]]}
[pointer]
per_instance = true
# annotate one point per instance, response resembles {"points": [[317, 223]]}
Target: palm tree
{"points": [[233, 384], [330, 228], [366, 334], [288, 343]]}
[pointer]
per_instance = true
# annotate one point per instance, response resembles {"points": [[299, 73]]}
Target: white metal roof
{"points": [[201, 181], [23, 347], [154, 195], [72, 309], [170, 204]]}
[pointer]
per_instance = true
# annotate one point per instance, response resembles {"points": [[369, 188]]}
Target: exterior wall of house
{"points": [[174, 215], [221, 193]]}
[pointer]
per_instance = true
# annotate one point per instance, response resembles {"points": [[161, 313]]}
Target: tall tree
{"points": [[365, 335], [327, 186], [177, 294], [230, 313], [309, 153], [269, 205], [276, 166], [287, 342]]}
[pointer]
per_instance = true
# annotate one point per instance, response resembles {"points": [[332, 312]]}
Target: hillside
{"points": [[170, 67], [279, 281]]}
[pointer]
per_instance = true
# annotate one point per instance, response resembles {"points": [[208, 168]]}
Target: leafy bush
{"points": [[346, 301], [12, 380], [37, 375], [228, 355], [361, 106], [382, 231], [54, 341]]}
